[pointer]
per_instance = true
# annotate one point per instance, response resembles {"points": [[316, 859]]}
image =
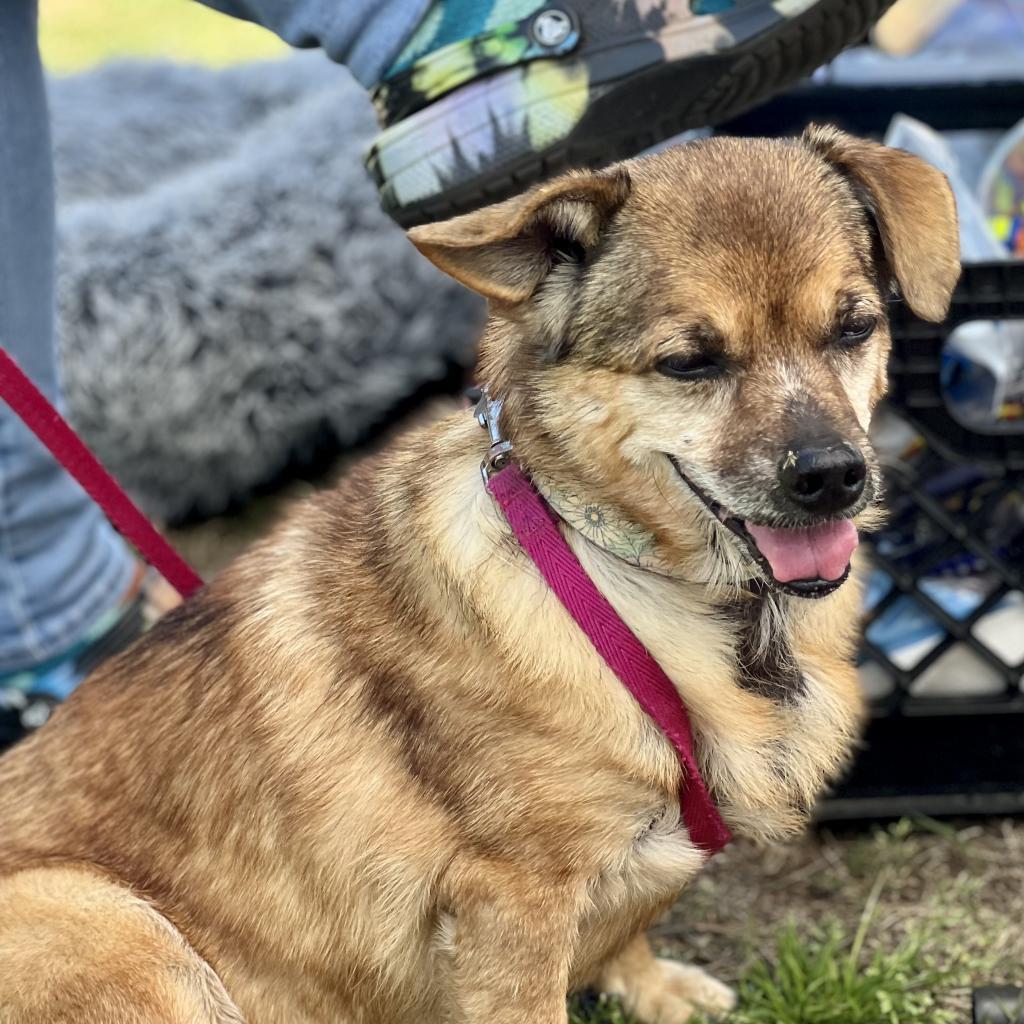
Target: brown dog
{"points": [[375, 773]]}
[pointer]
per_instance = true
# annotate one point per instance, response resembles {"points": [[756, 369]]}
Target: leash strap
{"points": [[68, 449], [536, 528]]}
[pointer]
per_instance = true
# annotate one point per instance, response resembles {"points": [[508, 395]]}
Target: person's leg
{"points": [[364, 35], [62, 567]]}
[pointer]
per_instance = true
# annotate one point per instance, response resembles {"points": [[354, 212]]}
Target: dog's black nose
{"points": [[823, 478]]}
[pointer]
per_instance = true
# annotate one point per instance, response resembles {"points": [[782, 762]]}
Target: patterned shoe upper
{"points": [[489, 98], [436, 61], [552, 32]]}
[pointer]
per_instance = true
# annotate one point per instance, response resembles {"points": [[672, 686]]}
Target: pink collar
{"points": [[536, 527]]}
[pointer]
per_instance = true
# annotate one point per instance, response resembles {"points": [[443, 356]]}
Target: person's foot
{"points": [[27, 698], [488, 98]]}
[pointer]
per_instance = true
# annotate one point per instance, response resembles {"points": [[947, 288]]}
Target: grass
{"points": [[598, 1010], [76, 34], [824, 976], [932, 919]]}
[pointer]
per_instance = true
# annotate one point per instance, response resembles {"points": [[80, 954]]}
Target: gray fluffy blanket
{"points": [[232, 300]]}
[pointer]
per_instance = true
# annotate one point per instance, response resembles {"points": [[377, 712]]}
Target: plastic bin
{"points": [[956, 743]]}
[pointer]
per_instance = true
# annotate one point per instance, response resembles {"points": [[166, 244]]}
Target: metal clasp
{"points": [[488, 415]]}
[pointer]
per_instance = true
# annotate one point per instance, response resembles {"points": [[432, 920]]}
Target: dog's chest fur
{"points": [[772, 715], [765, 664], [767, 682]]}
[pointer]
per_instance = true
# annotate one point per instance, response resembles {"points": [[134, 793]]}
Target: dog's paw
{"points": [[695, 986], [670, 993]]}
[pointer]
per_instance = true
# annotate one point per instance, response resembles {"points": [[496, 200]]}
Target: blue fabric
{"points": [[61, 564], [364, 35]]}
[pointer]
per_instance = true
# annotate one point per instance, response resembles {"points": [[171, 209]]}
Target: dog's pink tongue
{"points": [[818, 552]]}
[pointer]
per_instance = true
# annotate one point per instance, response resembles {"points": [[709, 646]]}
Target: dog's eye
{"points": [[698, 366], [856, 329]]}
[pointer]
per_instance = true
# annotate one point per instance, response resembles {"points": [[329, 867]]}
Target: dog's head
{"points": [[689, 346]]}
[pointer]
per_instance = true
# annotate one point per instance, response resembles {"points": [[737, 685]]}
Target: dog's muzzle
{"points": [[824, 544]]}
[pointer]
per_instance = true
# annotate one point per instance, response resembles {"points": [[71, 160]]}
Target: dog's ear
{"points": [[504, 251], [912, 205]]}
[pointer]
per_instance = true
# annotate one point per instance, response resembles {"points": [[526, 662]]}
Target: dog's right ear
{"points": [[504, 251]]}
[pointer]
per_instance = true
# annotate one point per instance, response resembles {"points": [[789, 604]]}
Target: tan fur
{"points": [[375, 773]]}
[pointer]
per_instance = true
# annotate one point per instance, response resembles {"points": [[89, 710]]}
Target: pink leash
{"points": [[536, 527], [68, 449]]}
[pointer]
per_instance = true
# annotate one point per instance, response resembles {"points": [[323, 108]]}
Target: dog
{"points": [[375, 772]]}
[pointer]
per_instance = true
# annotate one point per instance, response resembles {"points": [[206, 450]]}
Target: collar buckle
{"points": [[488, 415]]}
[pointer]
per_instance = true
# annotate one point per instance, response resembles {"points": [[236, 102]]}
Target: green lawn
{"points": [[894, 927], [76, 34], [822, 975]]}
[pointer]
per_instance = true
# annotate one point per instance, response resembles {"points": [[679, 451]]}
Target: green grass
{"points": [[828, 975], [76, 34], [601, 1010], [824, 978], [821, 979]]}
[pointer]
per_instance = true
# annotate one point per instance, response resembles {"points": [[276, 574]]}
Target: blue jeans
{"points": [[61, 564], [364, 35]]}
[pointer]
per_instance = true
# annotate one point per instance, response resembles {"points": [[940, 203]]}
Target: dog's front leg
{"points": [[511, 949], [662, 991]]}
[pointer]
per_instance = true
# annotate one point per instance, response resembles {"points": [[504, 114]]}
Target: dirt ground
{"points": [[956, 888]]}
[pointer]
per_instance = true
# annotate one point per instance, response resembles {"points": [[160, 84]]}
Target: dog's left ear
{"points": [[913, 206], [504, 251]]}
